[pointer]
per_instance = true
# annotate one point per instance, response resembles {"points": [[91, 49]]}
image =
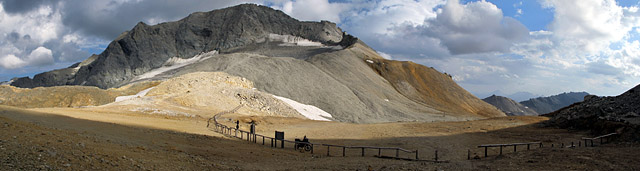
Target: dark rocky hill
{"points": [[602, 115], [510, 107], [544, 105]]}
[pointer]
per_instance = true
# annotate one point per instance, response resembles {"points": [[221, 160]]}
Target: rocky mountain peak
{"points": [[146, 47]]}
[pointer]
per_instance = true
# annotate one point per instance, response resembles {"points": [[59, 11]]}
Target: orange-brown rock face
{"points": [[427, 86]]}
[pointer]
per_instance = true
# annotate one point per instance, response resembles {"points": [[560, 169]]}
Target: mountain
{"points": [[522, 96], [517, 96], [603, 115], [544, 105], [510, 107], [147, 47], [312, 63]]}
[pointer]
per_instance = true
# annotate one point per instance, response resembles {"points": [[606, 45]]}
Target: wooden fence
{"points": [[408, 154], [515, 147], [540, 145], [276, 143], [602, 138]]}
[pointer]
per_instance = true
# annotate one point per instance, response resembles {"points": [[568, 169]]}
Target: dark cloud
{"points": [[107, 20], [66, 51], [22, 6]]}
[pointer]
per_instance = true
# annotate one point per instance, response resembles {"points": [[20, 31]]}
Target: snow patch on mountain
{"points": [[174, 63], [309, 111], [139, 94], [289, 40]]}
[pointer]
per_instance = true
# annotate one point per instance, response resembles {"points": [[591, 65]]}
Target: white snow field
{"points": [[175, 62], [289, 40], [309, 111], [139, 94]]}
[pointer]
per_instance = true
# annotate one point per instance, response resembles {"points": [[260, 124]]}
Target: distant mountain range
{"points": [[535, 106], [510, 107], [517, 96], [549, 104]]}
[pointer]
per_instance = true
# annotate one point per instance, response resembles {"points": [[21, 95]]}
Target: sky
{"points": [[541, 47]]}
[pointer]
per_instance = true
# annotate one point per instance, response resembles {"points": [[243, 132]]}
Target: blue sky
{"points": [[542, 47]]}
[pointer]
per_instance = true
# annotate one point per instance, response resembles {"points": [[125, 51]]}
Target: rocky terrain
{"points": [[311, 63], [510, 107], [544, 105], [147, 47], [602, 115], [66, 96]]}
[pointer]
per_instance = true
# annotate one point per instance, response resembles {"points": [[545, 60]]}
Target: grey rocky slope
{"points": [[147, 47], [510, 107], [602, 115], [325, 68], [544, 105]]}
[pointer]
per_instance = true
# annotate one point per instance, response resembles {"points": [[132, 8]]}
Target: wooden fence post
{"points": [[417, 155], [436, 155], [514, 148], [379, 152], [343, 151], [468, 154], [362, 151], [485, 151], [328, 150], [397, 153], [500, 149]]}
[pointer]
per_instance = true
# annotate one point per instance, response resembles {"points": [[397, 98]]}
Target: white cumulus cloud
{"points": [[313, 10], [11, 62], [40, 56]]}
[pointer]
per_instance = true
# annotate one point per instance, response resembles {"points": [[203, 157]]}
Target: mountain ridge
{"points": [[312, 63], [509, 106], [549, 104]]}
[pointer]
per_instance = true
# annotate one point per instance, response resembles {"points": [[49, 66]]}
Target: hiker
{"points": [[237, 124], [252, 129]]}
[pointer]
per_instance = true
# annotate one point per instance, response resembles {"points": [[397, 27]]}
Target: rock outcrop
{"points": [[544, 105], [510, 107], [603, 115], [147, 47]]}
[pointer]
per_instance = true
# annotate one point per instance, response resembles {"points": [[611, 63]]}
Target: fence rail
{"points": [[515, 147], [273, 142], [602, 137]]}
